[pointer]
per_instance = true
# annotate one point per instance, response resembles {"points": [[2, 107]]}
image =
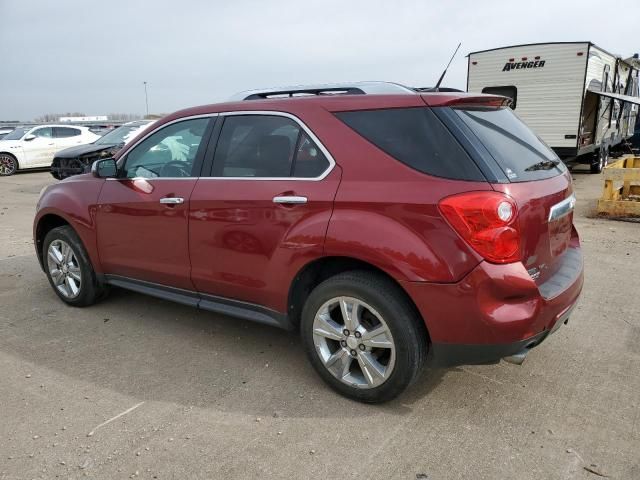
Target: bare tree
{"points": [[55, 117], [123, 117], [114, 117]]}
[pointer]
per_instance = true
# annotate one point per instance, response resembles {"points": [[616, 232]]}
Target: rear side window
{"points": [[65, 132], [266, 146], [517, 150], [415, 137]]}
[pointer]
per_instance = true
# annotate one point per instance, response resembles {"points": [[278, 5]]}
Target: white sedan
{"points": [[34, 147]]}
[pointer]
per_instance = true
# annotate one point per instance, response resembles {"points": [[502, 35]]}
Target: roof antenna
{"points": [[436, 88]]}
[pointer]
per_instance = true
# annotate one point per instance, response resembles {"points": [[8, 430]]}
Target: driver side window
{"points": [[43, 132], [169, 152]]}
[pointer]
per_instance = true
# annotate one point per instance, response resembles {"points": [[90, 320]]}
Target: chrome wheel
{"points": [[7, 165], [354, 342], [64, 268]]}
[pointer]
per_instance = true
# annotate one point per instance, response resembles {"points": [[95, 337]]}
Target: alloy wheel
{"points": [[64, 268], [7, 165], [354, 342]]}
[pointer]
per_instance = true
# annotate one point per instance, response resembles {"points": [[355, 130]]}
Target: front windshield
{"points": [[120, 135], [17, 134]]}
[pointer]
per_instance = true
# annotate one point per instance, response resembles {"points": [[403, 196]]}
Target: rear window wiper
{"points": [[544, 165]]}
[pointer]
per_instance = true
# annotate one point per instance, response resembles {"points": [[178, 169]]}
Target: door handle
{"points": [[290, 199], [172, 200]]}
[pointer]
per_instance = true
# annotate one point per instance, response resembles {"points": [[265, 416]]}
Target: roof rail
{"points": [[355, 88]]}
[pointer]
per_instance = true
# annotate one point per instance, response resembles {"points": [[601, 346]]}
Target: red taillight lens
{"points": [[488, 221]]}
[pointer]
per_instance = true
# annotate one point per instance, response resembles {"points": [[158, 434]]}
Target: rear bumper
{"points": [[451, 354], [496, 311]]}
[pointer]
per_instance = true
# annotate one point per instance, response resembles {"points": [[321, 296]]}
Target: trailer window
{"points": [[506, 91], [521, 154]]}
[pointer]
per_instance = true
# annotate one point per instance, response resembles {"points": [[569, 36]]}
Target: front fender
{"points": [[74, 201], [407, 245]]}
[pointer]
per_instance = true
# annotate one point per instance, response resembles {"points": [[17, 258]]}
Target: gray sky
{"points": [[79, 55]]}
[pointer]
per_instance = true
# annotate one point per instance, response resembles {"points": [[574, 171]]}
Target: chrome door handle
{"points": [[172, 200], [290, 199]]}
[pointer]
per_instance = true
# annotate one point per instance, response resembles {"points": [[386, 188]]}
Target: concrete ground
{"points": [[137, 386]]}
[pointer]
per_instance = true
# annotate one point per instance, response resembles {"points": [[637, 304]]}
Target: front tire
{"points": [[8, 165], [69, 269], [363, 336]]}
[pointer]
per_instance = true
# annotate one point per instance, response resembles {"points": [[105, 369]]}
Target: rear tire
{"points": [[8, 164], [69, 269], [380, 349]]}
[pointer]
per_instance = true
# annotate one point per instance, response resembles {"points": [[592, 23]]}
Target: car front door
{"points": [[263, 211], [142, 214], [38, 147]]}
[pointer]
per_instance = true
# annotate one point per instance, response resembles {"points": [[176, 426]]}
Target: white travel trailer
{"points": [[581, 100]]}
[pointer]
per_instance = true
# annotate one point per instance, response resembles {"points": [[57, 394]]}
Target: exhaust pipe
{"points": [[517, 358]]}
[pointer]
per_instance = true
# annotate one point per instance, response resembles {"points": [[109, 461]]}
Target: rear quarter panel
{"points": [[386, 213]]}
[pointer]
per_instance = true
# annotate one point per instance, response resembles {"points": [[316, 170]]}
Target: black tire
{"points": [[403, 321], [8, 164], [90, 290], [600, 160]]}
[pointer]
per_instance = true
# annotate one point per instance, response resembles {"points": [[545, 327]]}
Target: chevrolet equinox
{"points": [[393, 228]]}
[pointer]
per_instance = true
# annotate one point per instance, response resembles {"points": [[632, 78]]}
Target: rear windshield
{"points": [[521, 154], [415, 137]]}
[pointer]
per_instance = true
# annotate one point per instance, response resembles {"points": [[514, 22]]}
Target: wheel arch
{"points": [[45, 224], [319, 270]]}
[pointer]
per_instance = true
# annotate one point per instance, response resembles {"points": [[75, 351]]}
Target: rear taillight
{"points": [[488, 221]]}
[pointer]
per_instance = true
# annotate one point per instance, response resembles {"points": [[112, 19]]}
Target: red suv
{"points": [[393, 228]]}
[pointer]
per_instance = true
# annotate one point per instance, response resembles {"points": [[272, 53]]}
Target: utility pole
{"points": [[146, 97]]}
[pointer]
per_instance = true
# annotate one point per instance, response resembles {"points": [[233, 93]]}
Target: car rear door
{"points": [[66, 137], [263, 211], [142, 216]]}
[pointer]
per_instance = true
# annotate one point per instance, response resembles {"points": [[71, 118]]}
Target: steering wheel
{"points": [[175, 168]]}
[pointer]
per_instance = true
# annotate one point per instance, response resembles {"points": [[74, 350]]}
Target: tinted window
{"points": [[509, 92], [266, 146], [417, 138], [65, 132], [43, 132], [519, 152], [170, 152], [17, 134]]}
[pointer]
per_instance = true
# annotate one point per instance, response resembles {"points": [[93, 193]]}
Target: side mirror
{"points": [[29, 137], [104, 168]]}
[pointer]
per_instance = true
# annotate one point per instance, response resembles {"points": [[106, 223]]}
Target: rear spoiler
{"points": [[617, 96], [472, 101]]}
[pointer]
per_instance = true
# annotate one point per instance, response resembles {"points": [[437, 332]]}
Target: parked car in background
{"points": [[5, 130], [76, 160], [392, 228], [35, 147]]}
